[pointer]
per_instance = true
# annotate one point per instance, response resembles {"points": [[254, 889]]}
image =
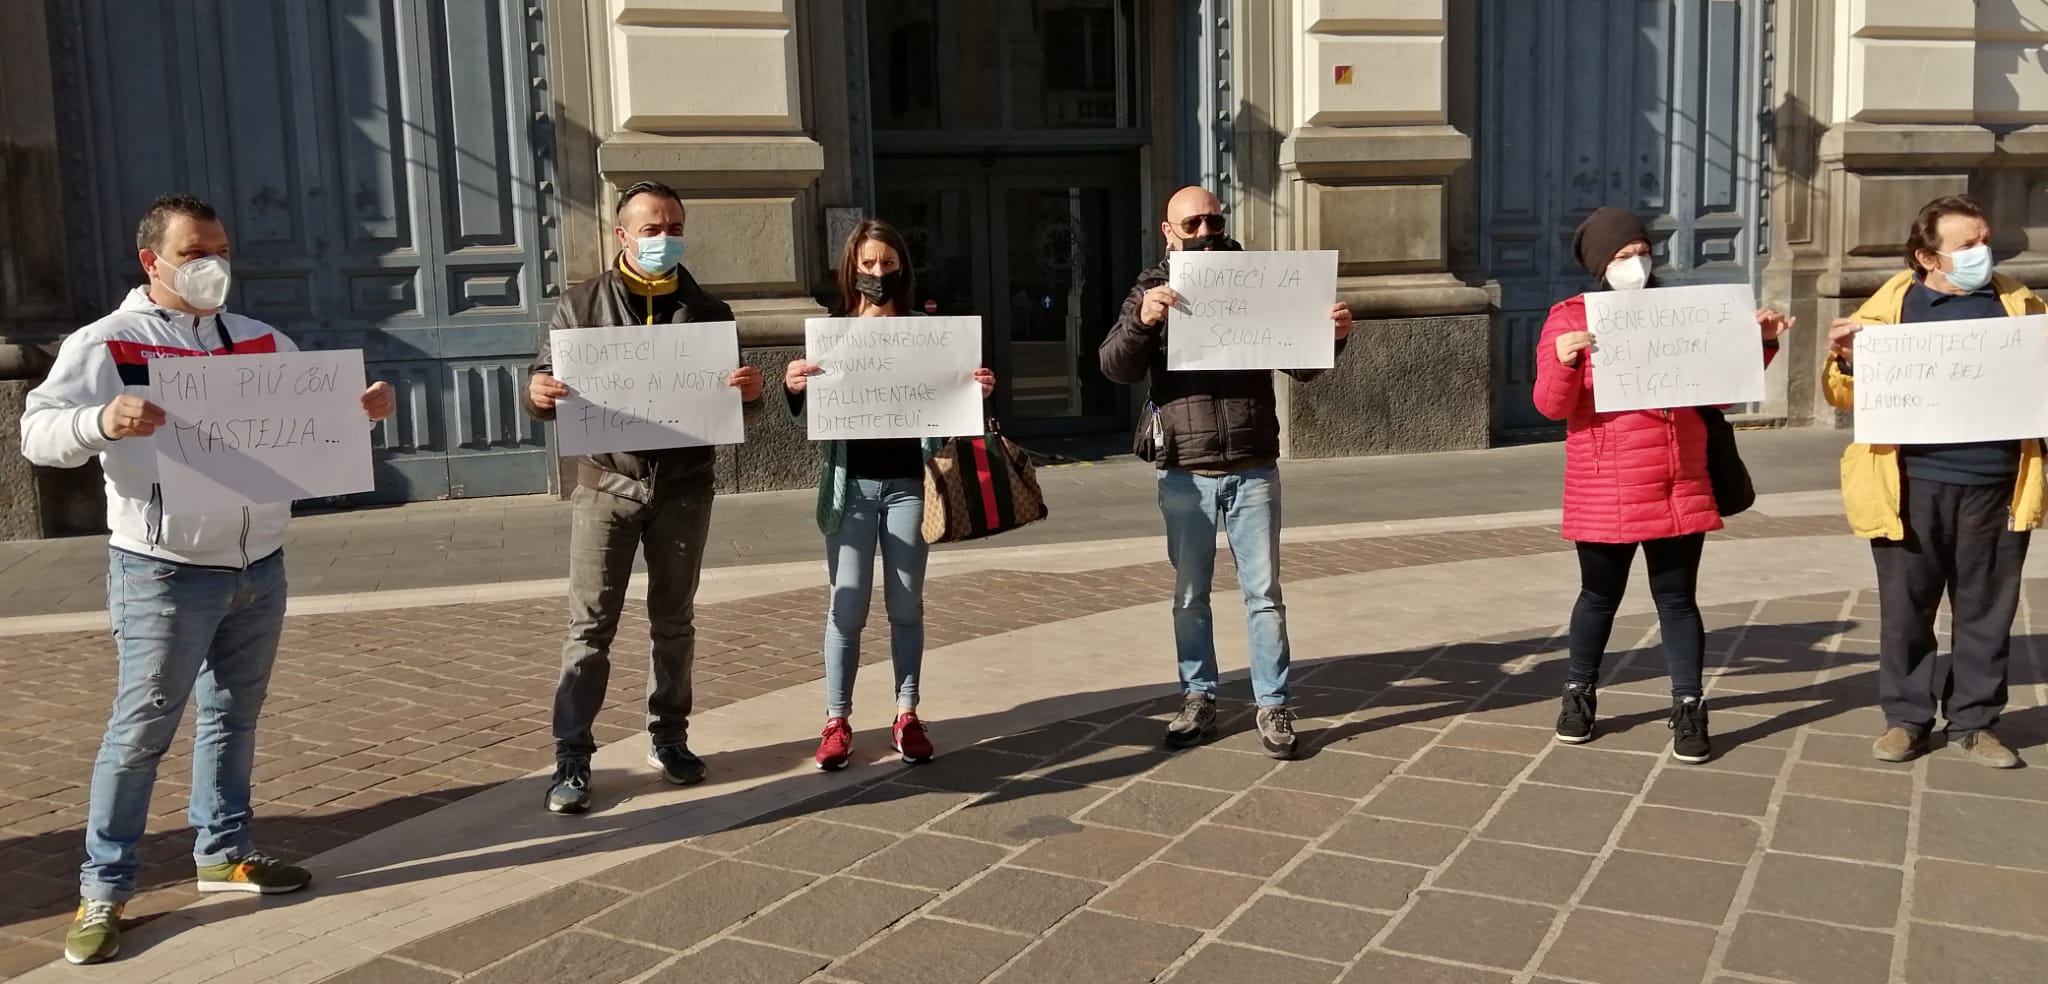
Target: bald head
{"points": [[1192, 212], [1191, 200]]}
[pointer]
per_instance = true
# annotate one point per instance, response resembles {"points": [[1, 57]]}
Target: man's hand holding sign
{"points": [[1950, 382], [252, 429], [645, 387], [1234, 310], [133, 416]]}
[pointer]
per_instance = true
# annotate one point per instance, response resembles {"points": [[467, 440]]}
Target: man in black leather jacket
{"points": [[624, 502], [1215, 437]]}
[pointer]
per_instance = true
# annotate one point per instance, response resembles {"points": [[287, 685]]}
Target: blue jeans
{"points": [[880, 516], [181, 630], [1247, 506]]}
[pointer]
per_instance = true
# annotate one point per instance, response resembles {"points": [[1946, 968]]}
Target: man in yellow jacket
{"points": [[1942, 518]]}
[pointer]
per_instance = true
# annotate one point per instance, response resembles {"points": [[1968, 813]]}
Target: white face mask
{"points": [[203, 283], [1629, 274]]}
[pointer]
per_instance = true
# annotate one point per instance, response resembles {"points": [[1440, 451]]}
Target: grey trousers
{"points": [[606, 533], [1957, 543]]}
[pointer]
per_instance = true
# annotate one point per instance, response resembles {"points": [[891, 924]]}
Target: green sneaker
{"points": [[252, 872], [95, 933]]}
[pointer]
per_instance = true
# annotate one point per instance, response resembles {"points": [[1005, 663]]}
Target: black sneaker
{"points": [[570, 792], [677, 765], [1689, 741], [1276, 731], [1195, 723], [1575, 719]]}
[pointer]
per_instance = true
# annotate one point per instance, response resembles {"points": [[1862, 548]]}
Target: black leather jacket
{"points": [[605, 301], [1220, 420]]}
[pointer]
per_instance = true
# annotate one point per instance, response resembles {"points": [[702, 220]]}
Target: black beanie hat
{"points": [[1603, 234]]}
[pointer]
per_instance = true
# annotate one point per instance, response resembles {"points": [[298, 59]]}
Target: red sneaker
{"points": [[909, 738], [836, 748]]}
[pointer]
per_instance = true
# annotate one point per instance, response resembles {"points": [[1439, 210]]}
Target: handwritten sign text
{"points": [[646, 387], [257, 429], [1949, 382], [1252, 310], [1675, 347], [893, 377]]}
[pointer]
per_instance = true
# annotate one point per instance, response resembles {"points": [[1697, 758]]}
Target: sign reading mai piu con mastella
{"points": [[254, 429]]}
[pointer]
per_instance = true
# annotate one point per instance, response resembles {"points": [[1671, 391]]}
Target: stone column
{"points": [[706, 96], [711, 97], [1371, 159], [1884, 105]]}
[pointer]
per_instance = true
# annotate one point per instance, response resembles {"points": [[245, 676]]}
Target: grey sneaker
{"points": [[1984, 748], [1196, 722], [570, 792], [1276, 731]]}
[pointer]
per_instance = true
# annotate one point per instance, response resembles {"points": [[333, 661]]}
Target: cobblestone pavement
{"points": [[1434, 833], [517, 539], [378, 716]]}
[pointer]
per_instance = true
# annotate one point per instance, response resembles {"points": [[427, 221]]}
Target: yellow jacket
{"points": [[1870, 472]]}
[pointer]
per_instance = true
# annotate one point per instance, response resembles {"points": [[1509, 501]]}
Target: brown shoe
{"points": [[1899, 745], [1984, 748]]}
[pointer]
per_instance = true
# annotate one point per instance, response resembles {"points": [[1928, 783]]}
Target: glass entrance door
{"points": [[1043, 249]]}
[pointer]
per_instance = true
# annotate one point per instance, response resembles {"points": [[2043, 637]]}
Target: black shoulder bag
{"points": [[1733, 491]]}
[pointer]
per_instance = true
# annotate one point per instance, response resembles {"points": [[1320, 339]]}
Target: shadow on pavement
{"points": [[1339, 699]]}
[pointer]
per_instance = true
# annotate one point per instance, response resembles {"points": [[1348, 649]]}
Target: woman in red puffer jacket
{"points": [[1634, 478]]}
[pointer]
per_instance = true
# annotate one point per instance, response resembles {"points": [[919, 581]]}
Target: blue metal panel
{"points": [[153, 111], [1650, 105], [493, 274], [382, 165]]}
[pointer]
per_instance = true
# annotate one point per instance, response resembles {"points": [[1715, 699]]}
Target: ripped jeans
{"points": [[181, 631]]}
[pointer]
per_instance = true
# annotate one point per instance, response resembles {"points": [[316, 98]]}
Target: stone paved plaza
{"points": [[1432, 831]]}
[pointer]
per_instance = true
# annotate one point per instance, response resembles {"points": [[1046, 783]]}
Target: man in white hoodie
{"points": [[196, 598]]}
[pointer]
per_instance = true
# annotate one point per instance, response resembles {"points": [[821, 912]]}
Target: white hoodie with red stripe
{"points": [[61, 429]]}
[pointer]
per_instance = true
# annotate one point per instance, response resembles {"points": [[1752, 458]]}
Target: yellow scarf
{"points": [[649, 287]]}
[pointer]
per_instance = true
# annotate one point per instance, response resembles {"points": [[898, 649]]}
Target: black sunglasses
{"points": [[1196, 223]]}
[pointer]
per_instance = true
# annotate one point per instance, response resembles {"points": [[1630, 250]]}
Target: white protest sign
{"points": [[1948, 382], [1675, 347], [1252, 310], [254, 429], [893, 377], [646, 387]]}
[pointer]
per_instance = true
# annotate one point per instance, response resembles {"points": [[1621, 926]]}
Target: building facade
{"points": [[421, 179]]}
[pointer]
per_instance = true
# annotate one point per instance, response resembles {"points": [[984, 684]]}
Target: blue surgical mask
{"points": [[1973, 267], [658, 254]]}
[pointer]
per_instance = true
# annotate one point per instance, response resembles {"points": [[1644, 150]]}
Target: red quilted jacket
{"points": [[1630, 476]]}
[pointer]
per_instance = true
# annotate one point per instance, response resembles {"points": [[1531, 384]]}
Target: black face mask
{"points": [[1214, 242], [878, 289]]}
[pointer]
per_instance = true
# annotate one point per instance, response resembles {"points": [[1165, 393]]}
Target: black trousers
{"points": [[1674, 585], [1958, 542]]}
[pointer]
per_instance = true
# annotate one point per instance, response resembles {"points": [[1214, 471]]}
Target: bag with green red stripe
{"points": [[976, 487]]}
